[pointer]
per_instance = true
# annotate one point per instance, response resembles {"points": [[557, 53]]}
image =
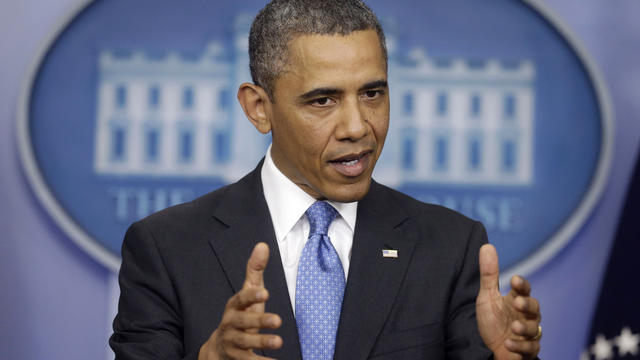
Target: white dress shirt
{"points": [[287, 204]]}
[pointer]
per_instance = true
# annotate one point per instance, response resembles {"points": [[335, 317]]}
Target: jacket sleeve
{"points": [[148, 324], [463, 339]]}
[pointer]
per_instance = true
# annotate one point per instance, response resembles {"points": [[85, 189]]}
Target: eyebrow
{"points": [[326, 91], [319, 92], [374, 85]]}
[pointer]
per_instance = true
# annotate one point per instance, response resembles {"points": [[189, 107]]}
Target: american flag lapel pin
{"points": [[389, 253]]}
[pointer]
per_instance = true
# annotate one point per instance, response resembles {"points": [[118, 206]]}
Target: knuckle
{"points": [[244, 341], [244, 321], [234, 340], [530, 347], [226, 339], [227, 320], [224, 326], [247, 297], [243, 297], [233, 301], [240, 341]]}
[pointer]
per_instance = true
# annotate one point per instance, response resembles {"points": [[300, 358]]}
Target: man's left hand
{"points": [[508, 325]]}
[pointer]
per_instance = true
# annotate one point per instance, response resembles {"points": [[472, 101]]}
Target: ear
{"points": [[255, 102]]}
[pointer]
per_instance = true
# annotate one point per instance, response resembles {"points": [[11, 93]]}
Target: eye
{"points": [[372, 94], [323, 101]]}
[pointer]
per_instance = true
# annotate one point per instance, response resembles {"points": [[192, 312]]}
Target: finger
{"points": [[527, 348], [244, 355], [236, 339], [247, 297], [520, 285], [489, 270], [529, 306], [243, 320], [256, 264], [525, 328]]}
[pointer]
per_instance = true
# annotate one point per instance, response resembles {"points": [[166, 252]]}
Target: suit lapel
{"points": [[245, 215], [373, 281]]}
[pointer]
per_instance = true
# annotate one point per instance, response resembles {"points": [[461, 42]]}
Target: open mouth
{"points": [[351, 159], [352, 164]]}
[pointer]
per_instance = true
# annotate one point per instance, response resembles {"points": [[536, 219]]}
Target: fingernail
{"points": [[273, 342], [260, 295], [272, 321], [509, 344]]}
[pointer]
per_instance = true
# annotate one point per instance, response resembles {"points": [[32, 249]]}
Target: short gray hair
{"points": [[282, 20]]}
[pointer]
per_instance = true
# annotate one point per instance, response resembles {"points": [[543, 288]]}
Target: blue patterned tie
{"points": [[319, 287]]}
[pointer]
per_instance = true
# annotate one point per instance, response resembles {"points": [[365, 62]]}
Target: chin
{"points": [[349, 192]]}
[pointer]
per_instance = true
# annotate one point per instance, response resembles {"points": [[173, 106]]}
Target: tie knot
{"points": [[320, 216]]}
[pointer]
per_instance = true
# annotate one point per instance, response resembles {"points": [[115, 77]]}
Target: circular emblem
{"points": [[495, 112]]}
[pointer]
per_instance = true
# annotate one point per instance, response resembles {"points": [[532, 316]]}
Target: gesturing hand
{"points": [[237, 335], [508, 325]]}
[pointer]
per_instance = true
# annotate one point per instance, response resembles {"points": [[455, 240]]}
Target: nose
{"points": [[353, 124]]}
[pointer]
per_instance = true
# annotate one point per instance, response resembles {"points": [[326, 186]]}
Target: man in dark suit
{"points": [[413, 281]]}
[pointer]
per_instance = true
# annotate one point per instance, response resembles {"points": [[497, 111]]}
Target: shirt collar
{"points": [[288, 202]]}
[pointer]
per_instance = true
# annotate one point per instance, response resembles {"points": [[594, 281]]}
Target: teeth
{"points": [[349, 163]]}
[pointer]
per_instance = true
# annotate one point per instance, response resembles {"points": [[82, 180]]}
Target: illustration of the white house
{"points": [[454, 121]]}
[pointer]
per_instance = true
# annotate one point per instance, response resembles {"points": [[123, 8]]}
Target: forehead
{"points": [[315, 60]]}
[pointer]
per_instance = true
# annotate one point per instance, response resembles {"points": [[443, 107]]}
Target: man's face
{"points": [[331, 114]]}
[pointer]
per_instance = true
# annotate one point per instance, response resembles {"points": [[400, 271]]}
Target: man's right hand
{"points": [[237, 335]]}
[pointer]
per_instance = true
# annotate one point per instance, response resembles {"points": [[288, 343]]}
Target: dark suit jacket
{"points": [[181, 265]]}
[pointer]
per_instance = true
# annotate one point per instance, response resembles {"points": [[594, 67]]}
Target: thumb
{"points": [[489, 269], [256, 265]]}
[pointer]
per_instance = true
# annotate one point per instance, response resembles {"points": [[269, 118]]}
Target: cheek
{"points": [[378, 116], [304, 147], [315, 136], [382, 130], [311, 149], [380, 125], [383, 125]]}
